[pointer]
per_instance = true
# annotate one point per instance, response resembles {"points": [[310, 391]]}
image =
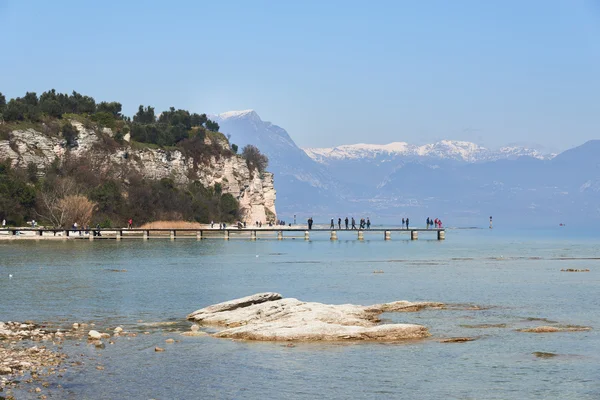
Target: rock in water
{"points": [[95, 335], [269, 317]]}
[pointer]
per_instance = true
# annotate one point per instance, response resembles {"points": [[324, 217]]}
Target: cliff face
{"points": [[254, 191]]}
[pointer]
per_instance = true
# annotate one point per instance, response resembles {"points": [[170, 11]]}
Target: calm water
{"points": [[516, 274]]}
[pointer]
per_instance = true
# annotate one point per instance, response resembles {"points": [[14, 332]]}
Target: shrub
{"points": [[254, 158], [70, 134]]}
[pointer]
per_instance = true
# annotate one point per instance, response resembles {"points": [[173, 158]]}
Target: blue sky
{"points": [[330, 72]]}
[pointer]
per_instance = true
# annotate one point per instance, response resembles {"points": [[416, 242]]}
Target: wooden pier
{"points": [[200, 234]]}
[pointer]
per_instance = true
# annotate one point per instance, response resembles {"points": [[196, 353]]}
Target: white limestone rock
{"points": [[267, 316]]}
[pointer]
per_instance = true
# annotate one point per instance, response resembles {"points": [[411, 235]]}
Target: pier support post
{"points": [[414, 235], [333, 235], [146, 234], [441, 235], [119, 234], [226, 237], [173, 234], [253, 235], [279, 235], [67, 233], [198, 235], [361, 235], [387, 235], [306, 235], [41, 232]]}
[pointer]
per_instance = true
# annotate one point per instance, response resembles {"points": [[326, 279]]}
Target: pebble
{"points": [[158, 349], [169, 341], [94, 335]]}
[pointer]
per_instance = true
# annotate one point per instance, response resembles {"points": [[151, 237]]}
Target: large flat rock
{"points": [[269, 317]]}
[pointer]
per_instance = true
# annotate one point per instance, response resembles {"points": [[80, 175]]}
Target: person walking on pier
{"points": [[407, 223], [332, 225], [428, 221], [339, 223], [368, 223], [130, 223], [310, 223], [346, 221], [353, 223]]}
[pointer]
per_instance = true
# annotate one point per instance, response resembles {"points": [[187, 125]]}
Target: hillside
{"points": [[66, 159]]}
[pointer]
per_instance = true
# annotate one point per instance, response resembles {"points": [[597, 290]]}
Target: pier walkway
{"points": [[207, 233]]}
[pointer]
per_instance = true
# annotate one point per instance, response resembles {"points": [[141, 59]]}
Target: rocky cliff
{"points": [[254, 191]]}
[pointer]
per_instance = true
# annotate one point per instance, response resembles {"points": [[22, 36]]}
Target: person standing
{"points": [[339, 223], [130, 223], [407, 223], [428, 221], [332, 225], [403, 222], [368, 223], [4, 223], [346, 221]]}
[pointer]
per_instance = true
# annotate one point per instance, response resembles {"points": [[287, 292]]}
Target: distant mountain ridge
{"points": [[444, 150], [461, 182]]}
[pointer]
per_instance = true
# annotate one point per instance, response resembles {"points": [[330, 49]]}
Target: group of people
{"points": [[431, 222]]}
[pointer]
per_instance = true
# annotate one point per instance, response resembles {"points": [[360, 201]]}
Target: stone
{"points": [[559, 328], [158, 349], [457, 340], [118, 329], [170, 341], [95, 335], [5, 370], [235, 304], [197, 333], [195, 328], [267, 316]]}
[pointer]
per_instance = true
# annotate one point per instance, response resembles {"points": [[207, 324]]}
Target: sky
{"points": [[329, 72]]}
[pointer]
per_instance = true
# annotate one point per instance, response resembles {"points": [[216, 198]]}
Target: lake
{"points": [[513, 276]]}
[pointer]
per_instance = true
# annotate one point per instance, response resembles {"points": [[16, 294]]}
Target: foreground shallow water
{"points": [[514, 276]]}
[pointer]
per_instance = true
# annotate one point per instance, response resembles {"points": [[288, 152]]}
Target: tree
{"points": [[234, 148], [2, 103], [76, 208], [15, 110], [254, 158], [198, 119], [113, 108], [49, 200], [50, 104], [145, 115], [212, 126]]}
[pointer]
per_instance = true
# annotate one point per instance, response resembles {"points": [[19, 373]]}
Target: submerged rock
{"points": [[560, 328], [457, 340], [542, 354], [269, 317]]}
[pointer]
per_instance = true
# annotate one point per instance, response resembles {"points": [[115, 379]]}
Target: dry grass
{"points": [[173, 225]]}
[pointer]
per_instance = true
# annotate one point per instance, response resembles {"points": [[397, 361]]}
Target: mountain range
{"points": [[461, 182]]}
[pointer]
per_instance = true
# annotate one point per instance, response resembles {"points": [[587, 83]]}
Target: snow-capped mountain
{"points": [[461, 182], [442, 150]]}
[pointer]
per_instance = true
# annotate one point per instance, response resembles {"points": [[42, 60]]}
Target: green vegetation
{"points": [[168, 129], [82, 190], [73, 190]]}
